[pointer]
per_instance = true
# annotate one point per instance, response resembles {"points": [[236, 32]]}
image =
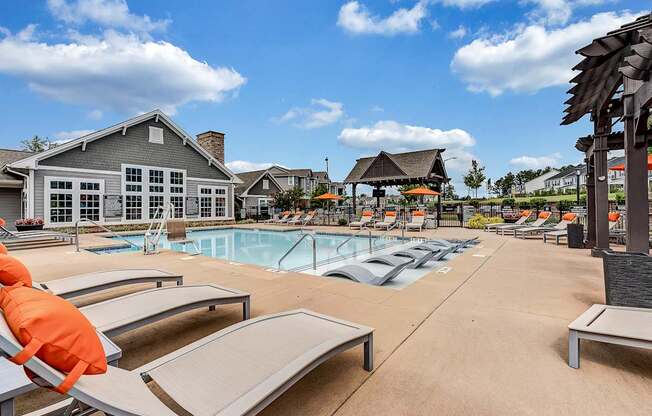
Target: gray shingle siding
{"points": [[10, 201], [110, 152]]}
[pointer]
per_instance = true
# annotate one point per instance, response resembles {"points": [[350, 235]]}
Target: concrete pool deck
{"points": [[489, 337]]}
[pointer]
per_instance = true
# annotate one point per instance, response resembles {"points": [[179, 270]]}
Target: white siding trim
{"points": [[79, 170], [224, 181]]}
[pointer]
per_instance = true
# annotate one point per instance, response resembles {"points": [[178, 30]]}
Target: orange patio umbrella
{"points": [[421, 191], [329, 197], [622, 165]]}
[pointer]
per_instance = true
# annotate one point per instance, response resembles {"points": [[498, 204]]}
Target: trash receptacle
{"points": [[575, 235]]}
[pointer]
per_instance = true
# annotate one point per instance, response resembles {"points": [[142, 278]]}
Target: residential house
{"points": [[122, 174], [567, 179], [536, 184], [12, 201]]}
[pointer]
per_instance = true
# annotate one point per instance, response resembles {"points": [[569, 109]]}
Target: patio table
{"points": [[14, 382]]}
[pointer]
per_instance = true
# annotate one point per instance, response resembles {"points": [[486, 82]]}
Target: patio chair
{"points": [[82, 284], [310, 217], [558, 235], [419, 258], [295, 218], [176, 229], [418, 221], [365, 219], [525, 215], [619, 325], [282, 218], [371, 274], [387, 222], [566, 219], [542, 218], [230, 372], [7, 235]]}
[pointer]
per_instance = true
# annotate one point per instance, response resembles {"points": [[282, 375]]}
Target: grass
{"points": [[553, 198]]}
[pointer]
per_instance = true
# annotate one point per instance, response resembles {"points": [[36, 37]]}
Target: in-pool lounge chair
{"points": [[371, 274], [419, 258], [365, 219], [540, 221], [82, 284], [295, 218], [566, 219], [610, 324], [418, 221], [525, 215], [239, 370], [388, 221]]}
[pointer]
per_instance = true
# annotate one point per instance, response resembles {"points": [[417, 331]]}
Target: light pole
{"points": [[578, 174], [445, 160]]}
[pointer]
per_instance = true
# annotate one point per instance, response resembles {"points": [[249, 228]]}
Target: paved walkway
{"points": [[487, 338]]}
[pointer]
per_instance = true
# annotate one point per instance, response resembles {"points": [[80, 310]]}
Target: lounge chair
{"points": [[177, 234], [418, 221], [439, 255], [365, 219], [540, 221], [284, 216], [387, 222], [122, 314], [82, 284], [419, 258], [525, 215], [8, 235], [566, 219], [310, 216], [457, 244], [611, 324], [295, 218], [371, 274], [230, 372]]}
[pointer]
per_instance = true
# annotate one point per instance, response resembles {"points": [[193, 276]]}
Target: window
{"points": [[72, 199], [155, 135], [177, 201], [134, 176], [212, 201], [155, 202], [205, 202], [290, 180], [163, 186], [176, 182], [133, 207], [156, 181], [265, 183]]}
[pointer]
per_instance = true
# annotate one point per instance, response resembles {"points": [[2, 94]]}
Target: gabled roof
{"points": [[249, 179], [568, 171], [31, 162], [321, 176], [414, 166], [304, 173], [8, 156]]}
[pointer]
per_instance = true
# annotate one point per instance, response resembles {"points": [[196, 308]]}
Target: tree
{"points": [[288, 200], [449, 192], [321, 189], [475, 177], [36, 144], [503, 186]]}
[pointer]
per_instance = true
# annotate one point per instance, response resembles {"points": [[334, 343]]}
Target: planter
{"points": [[31, 227], [628, 279]]}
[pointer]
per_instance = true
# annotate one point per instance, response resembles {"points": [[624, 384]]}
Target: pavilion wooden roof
{"points": [[625, 51], [388, 169]]}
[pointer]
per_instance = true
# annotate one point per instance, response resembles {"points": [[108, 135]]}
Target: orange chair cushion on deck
{"points": [[367, 213], [13, 272], [544, 215], [526, 213], [419, 214], [569, 216], [53, 330], [614, 216], [3, 249], [390, 214], [2, 222]]}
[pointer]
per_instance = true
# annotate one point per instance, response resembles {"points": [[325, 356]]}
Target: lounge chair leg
{"points": [[573, 349], [246, 314], [159, 284], [211, 308], [369, 353], [7, 408]]}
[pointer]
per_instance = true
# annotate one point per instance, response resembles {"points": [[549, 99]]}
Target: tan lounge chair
{"points": [[365, 219], [540, 221], [283, 217], [525, 215], [306, 220], [388, 221], [566, 219], [230, 372], [418, 221], [82, 284], [295, 218]]}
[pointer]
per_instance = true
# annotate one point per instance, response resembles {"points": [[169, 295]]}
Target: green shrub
{"points": [[478, 221], [538, 203], [620, 198], [508, 202], [342, 221]]}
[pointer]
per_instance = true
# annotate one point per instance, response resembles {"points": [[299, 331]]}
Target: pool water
{"points": [[263, 247]]}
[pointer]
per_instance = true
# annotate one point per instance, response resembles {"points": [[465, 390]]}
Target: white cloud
{"points": [[536, 162], [465, 4], [106, 13], [392, 136], [377, 109], [557, 12], [72, 134], [356, 18], [237, 166], [458, 33], [322, 113], [530, 57], [116, 72], [95, 114]]}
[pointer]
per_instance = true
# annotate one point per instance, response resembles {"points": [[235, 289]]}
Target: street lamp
{"points": [[578, 174], [445, 160]]}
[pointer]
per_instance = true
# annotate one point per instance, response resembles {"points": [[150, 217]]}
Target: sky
{"points": [[294, 82]]}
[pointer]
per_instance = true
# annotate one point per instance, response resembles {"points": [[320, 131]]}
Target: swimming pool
{"points": [[264, 247]]}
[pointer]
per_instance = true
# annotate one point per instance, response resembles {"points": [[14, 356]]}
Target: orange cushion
{"points": [[419, 214], [569, 216], [3, 249], [614, 216], [13, 271], [544, 215], [526, 213], [390, 213], [367, 213], [2, 222], [55, 331]]}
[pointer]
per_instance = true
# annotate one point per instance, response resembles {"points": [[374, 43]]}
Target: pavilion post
{"points": [[590, 205], [636, 176], [600, 151], [353, 186]]}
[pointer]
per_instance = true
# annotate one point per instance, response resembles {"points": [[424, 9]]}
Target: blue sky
{"points": [[291, 82]]}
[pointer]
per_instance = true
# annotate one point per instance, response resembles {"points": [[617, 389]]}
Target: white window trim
{"points": [[145, 190], [75, 192], [213, 205], [290, 180]]}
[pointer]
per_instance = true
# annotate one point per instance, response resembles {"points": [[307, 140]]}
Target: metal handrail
{"points": [[314, 251], [105, 229], [390, 228], [363, 228]]}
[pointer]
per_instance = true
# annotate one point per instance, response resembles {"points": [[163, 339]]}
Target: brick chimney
{"points": [[213, 143]]}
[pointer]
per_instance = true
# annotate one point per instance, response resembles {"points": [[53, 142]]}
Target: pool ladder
{"points": [[314, 250]]}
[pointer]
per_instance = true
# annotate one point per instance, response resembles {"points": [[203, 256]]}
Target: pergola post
{"points": [[636, 176], [353, 186], [601, 191], [590, 204]]}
